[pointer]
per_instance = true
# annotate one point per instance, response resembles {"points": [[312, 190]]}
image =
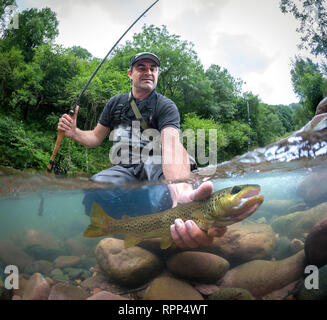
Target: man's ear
{"points": [[129, 74]]}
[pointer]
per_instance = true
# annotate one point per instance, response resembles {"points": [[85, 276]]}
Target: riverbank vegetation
{"points": [[39, 81]]}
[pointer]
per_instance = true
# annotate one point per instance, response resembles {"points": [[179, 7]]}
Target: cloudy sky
{"points": [[252, 39]]}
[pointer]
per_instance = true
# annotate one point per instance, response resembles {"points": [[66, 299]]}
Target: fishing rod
{"points": [[55, 165]]}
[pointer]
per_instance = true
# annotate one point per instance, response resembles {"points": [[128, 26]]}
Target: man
{"points": [[159, 113]]}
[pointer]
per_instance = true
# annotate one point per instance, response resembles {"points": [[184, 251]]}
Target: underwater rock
{"points": [[57, 272], [201, 266], [245, 242], [130, 267], [296, 245], [316, 244], [5, 294], [315, 294], [261, 220], [98, 280], [35, 237], [261, 277], [67, 261], [10, 254], [168, 288], [312, 190], [73, 273], [88, 262], [22, 284], [285, 293], [231, 294], [282, 248], [106, 295], [77, 248], [41, 253], [36, 288], [280, 207], [64, 291], [206, 289], [41, 266], [297, 224]]}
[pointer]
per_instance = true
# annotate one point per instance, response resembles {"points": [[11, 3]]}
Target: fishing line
{"points": [[58, 168]]}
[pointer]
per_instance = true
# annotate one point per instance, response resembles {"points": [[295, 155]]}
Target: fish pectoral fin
{"points": [[198, 215], [166, 242], [131, 241]]}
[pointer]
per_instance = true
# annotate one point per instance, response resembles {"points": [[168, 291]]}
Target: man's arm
{"points": [[89, 138], [176, 165]]}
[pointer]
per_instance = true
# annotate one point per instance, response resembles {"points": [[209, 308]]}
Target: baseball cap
{"points": [[145, 55]]}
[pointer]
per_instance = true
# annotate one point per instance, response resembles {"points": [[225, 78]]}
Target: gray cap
{"points": [[145, 55]]}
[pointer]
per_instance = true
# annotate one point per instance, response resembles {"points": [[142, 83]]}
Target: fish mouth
{"points": [[247, 205]]}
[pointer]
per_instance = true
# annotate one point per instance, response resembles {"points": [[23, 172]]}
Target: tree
{"points": [[42, 83], [226, 89], [10, 62], [81, 52], [36, 27], [182, 77], [300, 116], [312, 15], [308, 83]]}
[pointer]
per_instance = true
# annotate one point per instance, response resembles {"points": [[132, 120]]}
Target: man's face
{"points": [[144, 75]]}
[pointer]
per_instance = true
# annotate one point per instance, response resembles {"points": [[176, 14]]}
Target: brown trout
{"points": [[222, 208]]}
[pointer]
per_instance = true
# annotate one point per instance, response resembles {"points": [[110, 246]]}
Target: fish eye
{"points": [[236, 189]]}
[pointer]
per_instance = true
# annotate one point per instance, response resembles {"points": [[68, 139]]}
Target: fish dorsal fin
{"points": [[166, 242], [131, 241]]}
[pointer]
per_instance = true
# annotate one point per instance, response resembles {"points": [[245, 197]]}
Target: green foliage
{"points": [[300, 116], [40, 81], [81, 53], [10, 62], [312, 15], [36, 27], [191, 126], [308, 83], [20, 148], [238, 137], [225, 92]]}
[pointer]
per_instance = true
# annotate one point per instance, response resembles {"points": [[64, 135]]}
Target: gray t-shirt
{"points": [[157, 110]]}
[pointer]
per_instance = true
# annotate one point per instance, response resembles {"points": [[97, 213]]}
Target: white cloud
{"points": [[242, 54]]}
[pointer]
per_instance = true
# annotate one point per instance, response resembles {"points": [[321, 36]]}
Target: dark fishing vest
{"points": [[122, 112], [122, 118]]}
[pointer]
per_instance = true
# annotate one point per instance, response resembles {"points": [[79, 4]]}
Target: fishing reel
{"points": [[58, 169]]}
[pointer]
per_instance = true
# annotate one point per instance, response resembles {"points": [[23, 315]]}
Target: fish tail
{"points": [[100, 224]]}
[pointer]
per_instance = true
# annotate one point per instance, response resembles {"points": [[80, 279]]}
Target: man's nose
{"points": [[148, 71]]}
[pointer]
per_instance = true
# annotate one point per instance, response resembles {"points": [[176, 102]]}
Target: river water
{"points": [[43, 217]]}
